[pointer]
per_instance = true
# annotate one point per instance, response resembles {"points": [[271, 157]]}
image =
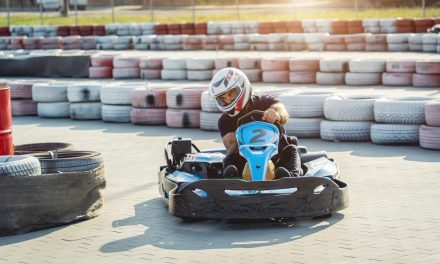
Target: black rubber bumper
{"points": [[304, 202]]}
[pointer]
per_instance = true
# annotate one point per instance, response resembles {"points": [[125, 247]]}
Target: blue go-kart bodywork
{"points": [[192, 186]]}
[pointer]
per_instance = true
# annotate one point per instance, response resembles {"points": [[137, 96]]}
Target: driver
{"points": [[232, 92]]}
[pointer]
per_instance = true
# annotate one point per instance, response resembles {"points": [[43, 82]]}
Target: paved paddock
{"points": [[393, 216]]}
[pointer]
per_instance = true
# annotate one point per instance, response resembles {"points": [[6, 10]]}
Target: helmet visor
{"points": [[229, 98]]}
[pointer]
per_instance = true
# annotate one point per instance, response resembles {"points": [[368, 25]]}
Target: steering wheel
{"points": [[257, 114]]}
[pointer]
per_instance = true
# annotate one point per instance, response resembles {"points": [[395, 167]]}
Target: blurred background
{"points": [[90, 12]]}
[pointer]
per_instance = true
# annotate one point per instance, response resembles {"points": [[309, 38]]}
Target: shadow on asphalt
{"points": [[166, 231]]}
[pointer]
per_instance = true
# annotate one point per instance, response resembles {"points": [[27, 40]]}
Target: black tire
{"points": [[41, 147], [19, 166], [70, 161]]}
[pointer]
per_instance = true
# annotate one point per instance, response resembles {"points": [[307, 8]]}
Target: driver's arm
{"points": [[230, 142], [276, 112]]}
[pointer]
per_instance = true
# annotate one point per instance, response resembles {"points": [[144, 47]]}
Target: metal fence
{"points": [[112, 11]]}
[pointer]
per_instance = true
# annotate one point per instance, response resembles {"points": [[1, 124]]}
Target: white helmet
{"points": [[226, 80]]}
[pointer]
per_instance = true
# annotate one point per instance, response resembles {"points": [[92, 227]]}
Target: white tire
{"points": [[397, 79], [394, 134], [304, 104], [409, 110], [367, 65], [150, 74], [415, 47], [126, 73], [330, 78], [226, 62], [47, 93], [150, 116], [174, 64], [249, 63], [116, 113], [339, 108], [115, 94], [54, 110], [362, 79], [254, 75], [370, 23], [199, 75], [184, 98], [432, 113], [376, 47], [173, 74], [208, 103], [316, 46], [398, 47], [19, 166], [397, 38], [183, 118], [84, 93], [304, 127], [415, 39], [85, 111], [333, 65], [376, 38], [345, 131], [200, 64], [209, 121]]}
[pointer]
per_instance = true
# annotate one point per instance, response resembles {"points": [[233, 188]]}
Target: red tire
{"points": [[274, 64], [125, 62], [151, 63], [185, 98], [101, 72], [426, 80], [304, 65], [149, 98], [428, 66], [20, 90], [276, 76], [403, 66], [183, 118], [356, 47], [23, 108], [225, 62], [429, 137], [397, 78], [102, 61], [152, 116], [432, 113]]}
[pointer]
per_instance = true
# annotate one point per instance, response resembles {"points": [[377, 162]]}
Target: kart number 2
{"points": [[260, 133]]}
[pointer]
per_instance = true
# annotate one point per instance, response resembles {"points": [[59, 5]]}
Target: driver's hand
{"points": [[271, 116]]}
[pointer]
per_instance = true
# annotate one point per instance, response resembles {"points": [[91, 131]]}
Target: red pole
{"points": [[6, 145]]}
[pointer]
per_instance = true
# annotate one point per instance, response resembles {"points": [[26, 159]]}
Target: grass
{"points": [[104, 17]]}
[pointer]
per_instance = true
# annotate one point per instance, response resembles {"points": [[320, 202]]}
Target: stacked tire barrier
{"points": [[429, 133], [275, 70], [376, 42], [85, 101], [184, 107], [21, 99], [200, 69], [305, 113], [347, 118], [126, 68], [251, 67], [101, 66], [210, 113], [221, 63], [398, 120], [116, 102], [399, 72], [355, 42], [174, 69], [52, 100], [149, 106], [332, 71], [150, 68]]}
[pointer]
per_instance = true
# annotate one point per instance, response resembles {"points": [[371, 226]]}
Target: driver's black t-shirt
{"points": [[227, 123]]}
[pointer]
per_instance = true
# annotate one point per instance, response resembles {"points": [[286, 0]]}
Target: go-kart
{"points": [[192, 184]]}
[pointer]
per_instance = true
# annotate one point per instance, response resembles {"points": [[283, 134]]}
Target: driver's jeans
{"points": [[288, 158]]}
